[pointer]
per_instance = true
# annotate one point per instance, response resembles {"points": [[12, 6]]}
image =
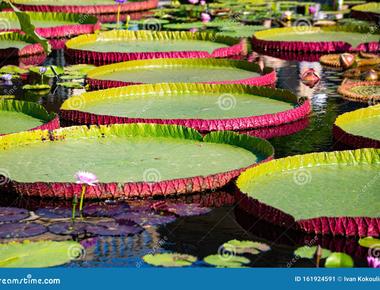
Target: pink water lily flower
{"points": [[87, 178], [373, 262], [205, 17], [203, 2], [193, 1], [120, 1]]}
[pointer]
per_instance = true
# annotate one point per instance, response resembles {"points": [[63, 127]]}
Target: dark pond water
{"points": [[203, 235]]}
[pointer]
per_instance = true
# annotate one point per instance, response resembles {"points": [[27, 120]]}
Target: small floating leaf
{"points": [[36, 87], [249, 247], [38, 254], [169, 260], [21, 230], [307, 252], [339, 260], [220, 261], [369, 242]]}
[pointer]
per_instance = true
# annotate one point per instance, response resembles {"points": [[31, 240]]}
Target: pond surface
{"points": [[203, 235]]}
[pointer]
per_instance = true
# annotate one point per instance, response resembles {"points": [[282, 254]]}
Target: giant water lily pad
{"points": [[85, 7], [16, 45], [16, 116], [301, 192], [370, 242], [169, 260], [222, 261], [105, 209], [134, 160], [367, 11], [12, 214], [368, 91], [316, 39], [39, 254], [200, 106], [51, 25], [180, 71], [360, 128], [123, 45], [20, 230]]}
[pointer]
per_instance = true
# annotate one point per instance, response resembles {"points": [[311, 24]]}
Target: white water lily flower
{"points": [[84, 177]]}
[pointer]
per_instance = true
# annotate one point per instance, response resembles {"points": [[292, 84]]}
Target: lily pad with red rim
{"points": [[204, 107], [359, 128], [180, 70], [133, 160], [12, 214], [366, 91], [295, 192], [21, 230], [124, 45], [317, 39], [53, 25], [86, 7], [16, 116]]}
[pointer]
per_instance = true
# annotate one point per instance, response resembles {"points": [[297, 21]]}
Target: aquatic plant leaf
{"points": [[36, 87], [68, 228], [38, 254], [249, 247], [52, 212], [339, 260], [12, 214], [370, 242], [169, 260], [125, 228], [231, 261], [307, 252], [180, 209], [144, 218], [13, 69], [105, 209], [21, 230]]}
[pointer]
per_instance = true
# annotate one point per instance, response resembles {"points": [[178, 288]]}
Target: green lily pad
{"points": [[169, 260], [369, 242], [242, 247], [339, 260], [38, 254], [12, 69], [70, 85], [307, 252], [221, 261], [49, 72], [36, 87], [78, 69]]}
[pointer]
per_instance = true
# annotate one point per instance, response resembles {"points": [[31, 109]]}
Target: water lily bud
{"points": [[346, 60], [370, 75], [310, 78]]}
